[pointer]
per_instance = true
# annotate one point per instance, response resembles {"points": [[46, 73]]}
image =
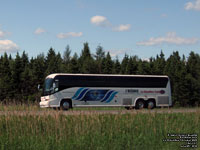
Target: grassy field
{"points": [[137, 131], [35, 107]]}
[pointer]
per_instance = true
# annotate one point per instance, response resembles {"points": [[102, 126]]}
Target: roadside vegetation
{"points": [[96, 131]]}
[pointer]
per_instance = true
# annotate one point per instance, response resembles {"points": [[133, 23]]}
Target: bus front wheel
{"points": [[65, 105]]}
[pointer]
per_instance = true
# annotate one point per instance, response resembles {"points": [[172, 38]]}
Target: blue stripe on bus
{"points": [[81, 94], [111, 97], [107, 96], [95, 95], [77, 93]]}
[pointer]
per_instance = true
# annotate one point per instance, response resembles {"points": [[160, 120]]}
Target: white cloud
{"points": [[100, 21], [8, 46], [104, 22], [2, 34], [146, 59], [193, 5], [170, 38], [122, 27], [39, 31], [114, 53], [69, 34]]}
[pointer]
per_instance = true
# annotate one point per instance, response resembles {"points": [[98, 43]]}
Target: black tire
{"points": [[56, 108], [151, 104], [65, 105], [140, 104], [128, 108]]}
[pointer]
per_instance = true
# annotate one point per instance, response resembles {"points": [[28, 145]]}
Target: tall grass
{"points": [[96, 131], [15, 106]]}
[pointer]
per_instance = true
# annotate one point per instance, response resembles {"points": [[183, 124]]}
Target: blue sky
{"points": [[134, 27]]}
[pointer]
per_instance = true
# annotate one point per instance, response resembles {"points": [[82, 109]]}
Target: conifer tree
{"points": [[74, 64], [53, 62], [86, 61], [124, 64], [108, 64], [38, 69], [174, 69], [100, 55], [193, 68], [66, 59], [159, 64], [143, 67], [117, 66], [5, 76], [132, 66], [16, 71]]}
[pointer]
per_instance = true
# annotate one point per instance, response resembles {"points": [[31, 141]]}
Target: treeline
{"points": [[20, 76]]}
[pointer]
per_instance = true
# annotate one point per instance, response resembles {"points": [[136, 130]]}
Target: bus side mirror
{"points": [[39, 87], [55, 85]]}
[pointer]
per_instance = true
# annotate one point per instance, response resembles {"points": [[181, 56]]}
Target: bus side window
{"points": [[55, 85]]}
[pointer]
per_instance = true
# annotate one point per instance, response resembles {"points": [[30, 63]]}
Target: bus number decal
{"points": [[131, 91]]}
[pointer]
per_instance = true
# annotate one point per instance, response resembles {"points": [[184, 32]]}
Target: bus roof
{"points": [[66, 74]]}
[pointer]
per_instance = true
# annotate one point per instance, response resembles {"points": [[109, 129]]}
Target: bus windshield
{"points": [[48, 87]]}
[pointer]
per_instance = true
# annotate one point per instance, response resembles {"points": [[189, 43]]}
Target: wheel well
{"points": [[137, 100], [145, 101], [152, 99], [140, 99], [68, 100]]}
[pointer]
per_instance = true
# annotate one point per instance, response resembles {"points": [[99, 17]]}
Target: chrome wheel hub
{"points": [[66, 105]]}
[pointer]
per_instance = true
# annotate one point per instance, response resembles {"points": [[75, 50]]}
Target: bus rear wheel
{"points": [[65, 105], [151, 104], [140, 104]]}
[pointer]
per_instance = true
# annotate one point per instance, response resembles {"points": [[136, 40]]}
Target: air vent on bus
{"points": [[127, 101], [163, 100]]}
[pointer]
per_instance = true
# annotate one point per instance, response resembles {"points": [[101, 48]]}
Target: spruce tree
{"points": [[132, 67], [175, 69], [108, 64], [193, 69], [117, 66], [74, 64], [143, 67], [159, 64], [100, 55], [5, 76], [86, 61], [124, 64], [16, 71], [53, 62], [66, 59]]}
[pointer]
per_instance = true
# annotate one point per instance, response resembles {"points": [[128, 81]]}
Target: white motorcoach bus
{"points": [[66, 91]]}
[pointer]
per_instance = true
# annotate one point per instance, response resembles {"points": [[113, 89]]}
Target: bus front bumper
{"points": [[44, 104]]}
